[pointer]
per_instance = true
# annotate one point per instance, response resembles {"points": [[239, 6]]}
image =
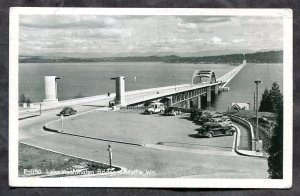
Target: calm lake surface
{"points": [[88, 79]]}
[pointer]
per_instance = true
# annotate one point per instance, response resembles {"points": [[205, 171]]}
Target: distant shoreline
{"points": [[258, 57]]}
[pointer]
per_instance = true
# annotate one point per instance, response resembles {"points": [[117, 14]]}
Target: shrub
{"points": [[28, 100], [22, 98]]}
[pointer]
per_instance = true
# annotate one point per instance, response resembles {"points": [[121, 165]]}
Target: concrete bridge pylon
{"points": [[120, 90], [51, 97]]}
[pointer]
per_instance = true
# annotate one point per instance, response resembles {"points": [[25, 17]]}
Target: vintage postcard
{"points": [[185, 98]]}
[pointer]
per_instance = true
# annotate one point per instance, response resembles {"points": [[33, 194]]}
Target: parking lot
{"points": [[135, 127]]}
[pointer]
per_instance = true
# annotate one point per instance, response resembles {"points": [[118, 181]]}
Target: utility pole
{"points": [[62, 123], [257, 82], [109, 155], [254, 101]]}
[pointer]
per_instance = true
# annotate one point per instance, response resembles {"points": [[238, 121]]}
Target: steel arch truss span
{"points": [[205, 74]]}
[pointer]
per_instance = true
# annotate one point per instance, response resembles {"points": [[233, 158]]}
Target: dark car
{"points": [[172, 111], [67, 111], [210, 129], [203, 119], [196, 114]]}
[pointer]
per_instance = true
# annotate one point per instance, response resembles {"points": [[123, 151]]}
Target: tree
{"points": [[271, 100], [276, 98], [22, 98], [265, 103], [28, 100], [275, 159]]}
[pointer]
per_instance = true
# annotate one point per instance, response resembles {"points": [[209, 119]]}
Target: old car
{"points": [[112, 102], [203, 119], [68, 111], [210, 129], [155, 107], [222, 121], [172, 111], [196, 114]]}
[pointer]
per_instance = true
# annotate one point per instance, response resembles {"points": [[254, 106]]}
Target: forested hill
{"points": [[258, 57]]}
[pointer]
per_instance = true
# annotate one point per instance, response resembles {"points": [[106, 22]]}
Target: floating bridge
{"points": [[204, 84]]}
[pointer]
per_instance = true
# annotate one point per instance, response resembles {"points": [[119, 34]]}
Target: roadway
{"points": [[165, 161], [131, 97]]}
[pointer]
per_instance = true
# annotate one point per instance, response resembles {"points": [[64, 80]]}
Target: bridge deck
{"points": [[144, 95]]}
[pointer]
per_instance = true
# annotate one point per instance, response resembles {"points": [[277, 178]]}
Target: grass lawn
{"points": [[42, 163]]}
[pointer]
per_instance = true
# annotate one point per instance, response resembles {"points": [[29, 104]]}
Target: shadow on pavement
{"points": [[186, 118], [28, 117], [195, 135]]}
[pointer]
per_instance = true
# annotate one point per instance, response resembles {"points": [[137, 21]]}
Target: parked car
{"points": [[203, 119], [196, 114], [216, 120], [67, 111], [217, 115], [210, 129], [155, 107], [222, 121], [112, 102], [172, 111]]}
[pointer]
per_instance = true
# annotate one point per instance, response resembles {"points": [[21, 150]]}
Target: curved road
{"points": [[165, 161]]}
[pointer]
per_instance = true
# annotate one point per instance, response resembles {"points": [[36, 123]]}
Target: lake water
{"points": [[242, 86], [88, 79]]}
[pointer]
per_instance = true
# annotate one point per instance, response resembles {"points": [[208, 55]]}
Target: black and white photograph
{"points": [[120, 97]]}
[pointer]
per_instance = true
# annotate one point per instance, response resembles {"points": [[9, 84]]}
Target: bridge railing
{"points": [[228, 76], [133, 107], [185, 110]]}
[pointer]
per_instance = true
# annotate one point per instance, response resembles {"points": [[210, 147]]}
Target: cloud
{"points": [[187, 25], [215, 41], [111, 35], [237, 41], [205, 19], [64, 21]]}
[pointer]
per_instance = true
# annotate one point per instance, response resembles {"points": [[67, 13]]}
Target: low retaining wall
{"points": [[248, 126]]}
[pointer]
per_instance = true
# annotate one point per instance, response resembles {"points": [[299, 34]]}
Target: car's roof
{"points": [[216, 118], [212, 123]]}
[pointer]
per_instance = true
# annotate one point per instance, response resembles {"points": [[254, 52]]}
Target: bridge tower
{"points": [[120, 90], [51, 90]]}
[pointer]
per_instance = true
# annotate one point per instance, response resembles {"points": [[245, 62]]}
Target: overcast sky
{"points": [[100, 36]]}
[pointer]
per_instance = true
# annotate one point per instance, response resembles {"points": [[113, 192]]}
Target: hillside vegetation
{"points": [[258, 57]]}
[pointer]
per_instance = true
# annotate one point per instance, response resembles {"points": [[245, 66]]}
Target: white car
{"points": [[156, 107]]}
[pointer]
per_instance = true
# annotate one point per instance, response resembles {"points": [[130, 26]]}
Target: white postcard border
{"points": [[14, 180]]}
